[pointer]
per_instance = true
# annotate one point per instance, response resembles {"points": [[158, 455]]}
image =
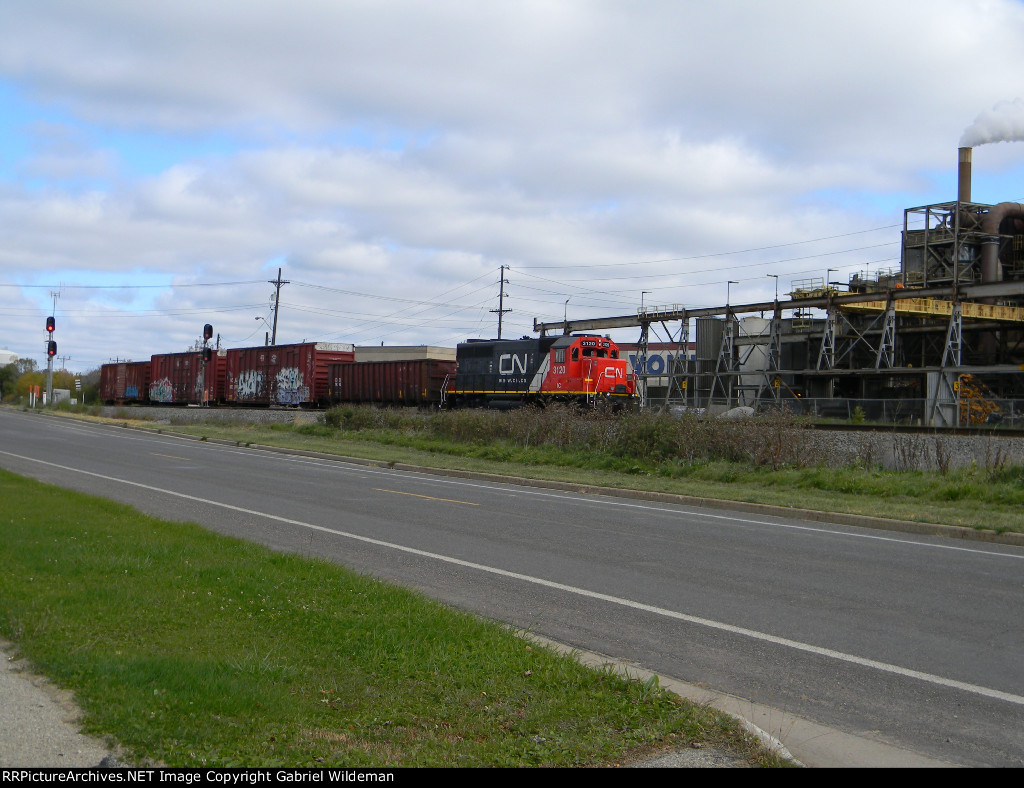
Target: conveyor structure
{"points": [[908, 344]]}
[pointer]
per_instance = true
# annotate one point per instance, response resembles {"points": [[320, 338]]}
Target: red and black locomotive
{"points": [[581, 368]]}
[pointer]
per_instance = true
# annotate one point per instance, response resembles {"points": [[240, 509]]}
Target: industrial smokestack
{"points": [[963, 184]]}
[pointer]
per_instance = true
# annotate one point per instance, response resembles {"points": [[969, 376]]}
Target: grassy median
{"points": [[192, 649]]}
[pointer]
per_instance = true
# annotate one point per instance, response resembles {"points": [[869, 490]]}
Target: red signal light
{"points": [[51, 324]]}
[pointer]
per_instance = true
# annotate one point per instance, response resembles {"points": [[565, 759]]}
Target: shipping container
{"points": [[282, 374], [412, 382], [124, 382], [181, 379]]}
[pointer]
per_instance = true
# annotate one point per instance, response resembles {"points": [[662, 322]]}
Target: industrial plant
{"points": [[938, 342]]}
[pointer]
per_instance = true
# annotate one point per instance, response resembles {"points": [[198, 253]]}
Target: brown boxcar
{"points": [[124, 382], [179, 378], [416, 382], [282, 374]]}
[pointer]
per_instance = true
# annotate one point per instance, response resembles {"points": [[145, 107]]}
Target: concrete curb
{"points": [[793, 739]]}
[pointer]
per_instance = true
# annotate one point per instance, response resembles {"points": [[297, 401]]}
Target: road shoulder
{"points": [[40, 722]]}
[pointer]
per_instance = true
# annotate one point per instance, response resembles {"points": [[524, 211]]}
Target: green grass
{"points": [[975, 497], [193, 649]]}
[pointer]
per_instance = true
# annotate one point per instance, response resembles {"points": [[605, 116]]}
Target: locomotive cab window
{"points": [[575, 354], [560, 355]]}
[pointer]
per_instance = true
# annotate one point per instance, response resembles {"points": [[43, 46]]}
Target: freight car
{"points": [[182, 379], [282, 374], [581, 368], [125, 383], [399, 382]]}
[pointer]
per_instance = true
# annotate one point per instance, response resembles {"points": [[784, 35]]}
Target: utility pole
{"points": [[277, 301], [501, 300]]}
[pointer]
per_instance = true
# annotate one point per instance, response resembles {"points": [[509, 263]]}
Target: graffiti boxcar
{"points": [[124, 382], [282, 374], [180, 378]]}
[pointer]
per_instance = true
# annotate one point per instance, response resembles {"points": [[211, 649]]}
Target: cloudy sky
{"points": [[159, 161]]}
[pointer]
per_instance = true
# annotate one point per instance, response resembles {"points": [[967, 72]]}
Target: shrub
{"points": [[647, 437]]}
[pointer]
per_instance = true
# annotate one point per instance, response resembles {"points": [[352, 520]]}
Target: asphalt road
{"points": [[911, 640]]}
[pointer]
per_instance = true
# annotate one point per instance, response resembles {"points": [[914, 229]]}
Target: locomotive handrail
{"points": [[597, 386]]}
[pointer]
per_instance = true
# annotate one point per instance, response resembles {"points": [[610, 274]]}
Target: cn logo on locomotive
{"points": [[510, 363]]}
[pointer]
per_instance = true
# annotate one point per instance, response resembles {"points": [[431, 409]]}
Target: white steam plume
{"points": [[1003, 123]]}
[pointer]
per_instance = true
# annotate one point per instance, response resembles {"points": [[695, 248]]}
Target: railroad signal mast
{"points": [[51, 349], [51, 345], [207, 356]]}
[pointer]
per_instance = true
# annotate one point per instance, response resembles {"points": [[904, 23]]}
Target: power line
{"points": [[375, 297], [138, 287], [706, 270], [423, 307], [143, 313], [713, 254]]}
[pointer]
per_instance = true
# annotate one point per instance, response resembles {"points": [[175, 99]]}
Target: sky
{"points": [[160, 161]]}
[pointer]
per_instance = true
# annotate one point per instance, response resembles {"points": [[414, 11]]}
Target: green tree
{"points": [[62, 379], [8, 376], [91, 386], [28, 379]]}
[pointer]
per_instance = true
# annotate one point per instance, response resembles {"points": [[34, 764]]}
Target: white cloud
{"points": [[395, 151]]}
